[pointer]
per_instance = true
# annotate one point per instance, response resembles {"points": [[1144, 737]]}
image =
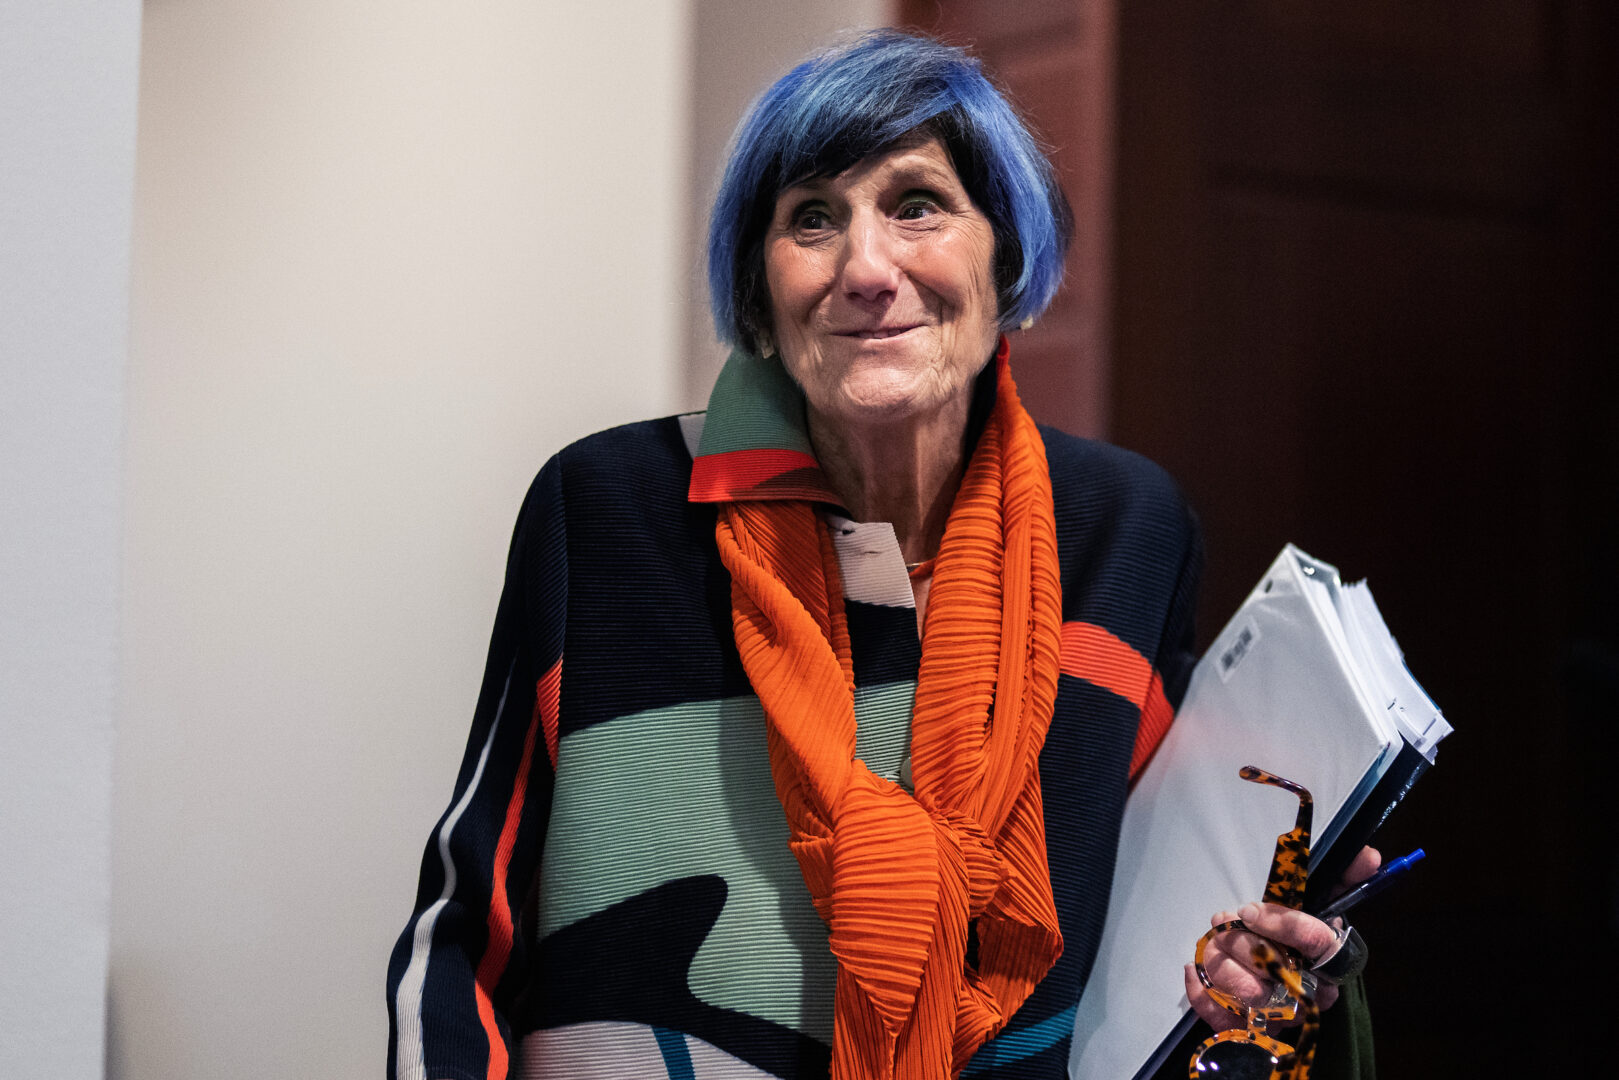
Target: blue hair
{"points": [[852, 101]]}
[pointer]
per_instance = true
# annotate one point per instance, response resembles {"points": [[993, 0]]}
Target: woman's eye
{"points": [[812, 219], [914, 209]]}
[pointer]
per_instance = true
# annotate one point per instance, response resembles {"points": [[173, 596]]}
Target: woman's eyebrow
{"points": [[797, 196], [807, 188], [922, 174]]}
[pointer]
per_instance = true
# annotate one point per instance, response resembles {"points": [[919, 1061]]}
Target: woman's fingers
{"points": [[1365, 864], [1304, 934], [1228, 957], [1207, 1011], [1228, 960]]}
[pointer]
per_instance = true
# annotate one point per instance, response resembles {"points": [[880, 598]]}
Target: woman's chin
{"points": [[886, 398]]}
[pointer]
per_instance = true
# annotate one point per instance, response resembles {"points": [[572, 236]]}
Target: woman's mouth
{"points": [[880, 333]]}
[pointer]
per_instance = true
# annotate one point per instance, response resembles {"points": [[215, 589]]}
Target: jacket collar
{"points": [[755, 445]]}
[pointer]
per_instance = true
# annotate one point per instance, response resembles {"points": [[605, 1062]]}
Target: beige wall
{"points": [[388, 257]]}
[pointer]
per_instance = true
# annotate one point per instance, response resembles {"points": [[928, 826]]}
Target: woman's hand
{"points": [[1233, 971]]}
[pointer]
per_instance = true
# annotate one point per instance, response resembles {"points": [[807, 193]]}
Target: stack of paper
{"points": [[1304, 682]]}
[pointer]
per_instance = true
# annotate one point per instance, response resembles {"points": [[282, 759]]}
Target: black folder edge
{"points": [[1402, 775], [1386, 794]]}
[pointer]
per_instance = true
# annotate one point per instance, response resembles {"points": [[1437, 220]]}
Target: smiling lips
{"points": [[878, 334]]}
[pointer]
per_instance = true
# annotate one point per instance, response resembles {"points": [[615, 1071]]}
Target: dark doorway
{"points": [[1360, 284]]}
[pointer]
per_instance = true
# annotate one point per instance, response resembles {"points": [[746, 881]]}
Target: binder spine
{"points": [[1407, 769]]}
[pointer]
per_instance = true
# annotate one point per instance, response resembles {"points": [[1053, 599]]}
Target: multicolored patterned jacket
{"points": [[610, 892]]}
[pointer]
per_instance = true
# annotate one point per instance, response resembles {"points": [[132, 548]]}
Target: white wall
{"points": [[389, 255], [739, 48], [67, 146]]}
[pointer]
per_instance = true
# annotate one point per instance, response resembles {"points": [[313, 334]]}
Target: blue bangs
{"points": [[852, 101]]}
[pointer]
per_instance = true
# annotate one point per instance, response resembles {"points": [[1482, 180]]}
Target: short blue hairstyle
{"points": [[854, 100]]}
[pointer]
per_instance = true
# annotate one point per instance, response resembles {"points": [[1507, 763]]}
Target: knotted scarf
{"points": [[899, 879]]}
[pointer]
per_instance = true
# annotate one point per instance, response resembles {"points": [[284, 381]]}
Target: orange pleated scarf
{"points": [[899, 878]]}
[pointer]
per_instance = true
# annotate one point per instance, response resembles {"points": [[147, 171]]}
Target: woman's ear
{"points": [[767, 345]]}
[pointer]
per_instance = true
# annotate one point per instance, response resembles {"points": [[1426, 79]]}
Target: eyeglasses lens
{"points": [[1236, 1061]]}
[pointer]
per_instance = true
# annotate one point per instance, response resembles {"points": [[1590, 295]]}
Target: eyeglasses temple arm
{"points": [[1290, 867]]}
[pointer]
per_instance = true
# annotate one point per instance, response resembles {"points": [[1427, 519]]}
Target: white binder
{"points": [[1304, 682]]}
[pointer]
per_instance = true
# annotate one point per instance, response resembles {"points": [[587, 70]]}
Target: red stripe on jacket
{"points": [[548, 707], [1099, 656], [499, 949]]}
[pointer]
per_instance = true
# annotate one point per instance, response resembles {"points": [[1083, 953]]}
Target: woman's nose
{"points": [[869, 268]]}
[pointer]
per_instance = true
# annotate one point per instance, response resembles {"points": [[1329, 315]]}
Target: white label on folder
{"points": [[1247, 637]]}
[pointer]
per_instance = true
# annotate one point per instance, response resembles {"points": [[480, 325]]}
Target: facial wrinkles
{"points": [[893, 243]]}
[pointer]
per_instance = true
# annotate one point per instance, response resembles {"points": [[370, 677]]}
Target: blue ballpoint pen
{"points": [[1371, 886]]}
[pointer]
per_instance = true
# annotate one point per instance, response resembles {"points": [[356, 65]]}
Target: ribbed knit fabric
{"points": [[900, 879], [610, 891]]}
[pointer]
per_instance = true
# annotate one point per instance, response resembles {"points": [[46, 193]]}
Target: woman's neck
{"points": [[905, 473]]}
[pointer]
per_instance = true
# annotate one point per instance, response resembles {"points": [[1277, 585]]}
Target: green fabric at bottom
{"points": [[1345, 1048]]}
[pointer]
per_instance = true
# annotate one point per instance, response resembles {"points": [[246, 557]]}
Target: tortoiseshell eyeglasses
{"points": [[1251, 1052]]}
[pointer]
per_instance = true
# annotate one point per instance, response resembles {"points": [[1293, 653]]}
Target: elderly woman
{"points": [[809, 720]]}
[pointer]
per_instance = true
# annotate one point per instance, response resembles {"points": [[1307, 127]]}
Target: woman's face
{"points": [[881, 288]]}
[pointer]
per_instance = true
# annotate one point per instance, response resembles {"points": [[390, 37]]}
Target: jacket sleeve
{"points": [[463, 958]]}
